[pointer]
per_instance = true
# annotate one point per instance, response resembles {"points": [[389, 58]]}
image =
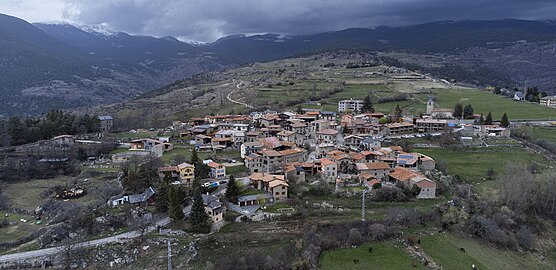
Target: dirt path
{"points": [[229, 97]]}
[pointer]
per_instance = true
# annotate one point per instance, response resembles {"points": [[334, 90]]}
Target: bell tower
{"points": [[430, 105]]}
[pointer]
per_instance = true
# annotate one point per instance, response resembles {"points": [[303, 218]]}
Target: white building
{"points": [[353, 105]]}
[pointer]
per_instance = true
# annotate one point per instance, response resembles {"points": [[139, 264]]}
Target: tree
{"points": [[491, 174], [504, 122], [198, 214], [488, 120], [481, 120], [232, 189], [194, 156], [175, 202], [458, 110], [202, 170], [367, 105], [345, 129], [468, 111], [162, 195], [299, 110], [398, 113]]}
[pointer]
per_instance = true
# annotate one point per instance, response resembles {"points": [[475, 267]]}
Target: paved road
{"points": [[235, 101], [21, 256]]}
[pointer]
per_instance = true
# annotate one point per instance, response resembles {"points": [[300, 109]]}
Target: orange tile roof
{"points": [[271, 153], [426, 183], [326, 162], [403, 174], [292, 151], [213, 164]]}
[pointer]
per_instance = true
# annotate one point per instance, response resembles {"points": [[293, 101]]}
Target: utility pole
{"points": [[169, 255], [363, 205]]}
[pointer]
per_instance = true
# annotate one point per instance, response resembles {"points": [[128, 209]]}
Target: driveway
{"points": [[21, 256]]}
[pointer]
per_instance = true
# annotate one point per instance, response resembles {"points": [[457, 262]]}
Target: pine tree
{"points": [[232, 189], [194, 156], [488, 120], [505, 122], [481, 120], [458, 110], [468, 111], [162, 195], [367, 105], [198, 214], [299, 110], [175, 200]]}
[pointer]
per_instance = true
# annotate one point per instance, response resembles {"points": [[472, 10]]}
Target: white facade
{"points": [[351, 105]]}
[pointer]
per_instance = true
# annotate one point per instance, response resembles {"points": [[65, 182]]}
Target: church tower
{"points": [[430, 105]]}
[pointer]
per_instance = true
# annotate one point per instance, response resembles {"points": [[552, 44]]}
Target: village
{"points": [[352, 150]]}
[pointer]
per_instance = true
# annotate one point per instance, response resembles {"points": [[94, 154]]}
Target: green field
{"points": [[538, 132], [483, 102], [445, 251], [387, 255], [472, 164]]}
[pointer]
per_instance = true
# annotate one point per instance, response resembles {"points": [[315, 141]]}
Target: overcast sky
{"points": [[208, 20]]}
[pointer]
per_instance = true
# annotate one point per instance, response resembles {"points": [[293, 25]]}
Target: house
{"points": [[154, 146], [519, 96], [352, 140], [290, 136], [295, 173], [327, 136], [106, 123], [427, 186], [63, 140], [412, 177], [549, 101], [323, 148], [254, 199], [186, 173], [274, 184], [213, 207], [143, 199], [172, 172], [430, 125], [350, 105], [250, 147], [278, 189], [127, 156], [328, 170], [217, 171], [254, 162], [378, 170], [369, 143], [399, 128], [328, 115], [491, 131]]}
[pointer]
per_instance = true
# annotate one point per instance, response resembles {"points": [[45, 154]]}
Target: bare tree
{"points": [[519, 187]]}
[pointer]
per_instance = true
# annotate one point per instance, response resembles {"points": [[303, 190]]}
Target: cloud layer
{"points": [[208, 20]]}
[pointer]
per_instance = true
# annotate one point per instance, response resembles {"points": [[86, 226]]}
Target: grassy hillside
{"points": [[445, 250], [388, 255], [484, 102]]}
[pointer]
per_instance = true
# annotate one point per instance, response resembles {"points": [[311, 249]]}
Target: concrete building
{"points": [[350, 105], [549, 101], [106, 123]]}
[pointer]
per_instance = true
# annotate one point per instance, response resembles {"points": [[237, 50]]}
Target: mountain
{"points": [[438, 37], [46, 66], [58, 65]]}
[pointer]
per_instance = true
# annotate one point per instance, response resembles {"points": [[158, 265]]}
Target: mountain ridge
{"points": [[60, 65]]}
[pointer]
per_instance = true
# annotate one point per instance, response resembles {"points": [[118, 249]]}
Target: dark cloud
{"points": [[207, 20]]}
